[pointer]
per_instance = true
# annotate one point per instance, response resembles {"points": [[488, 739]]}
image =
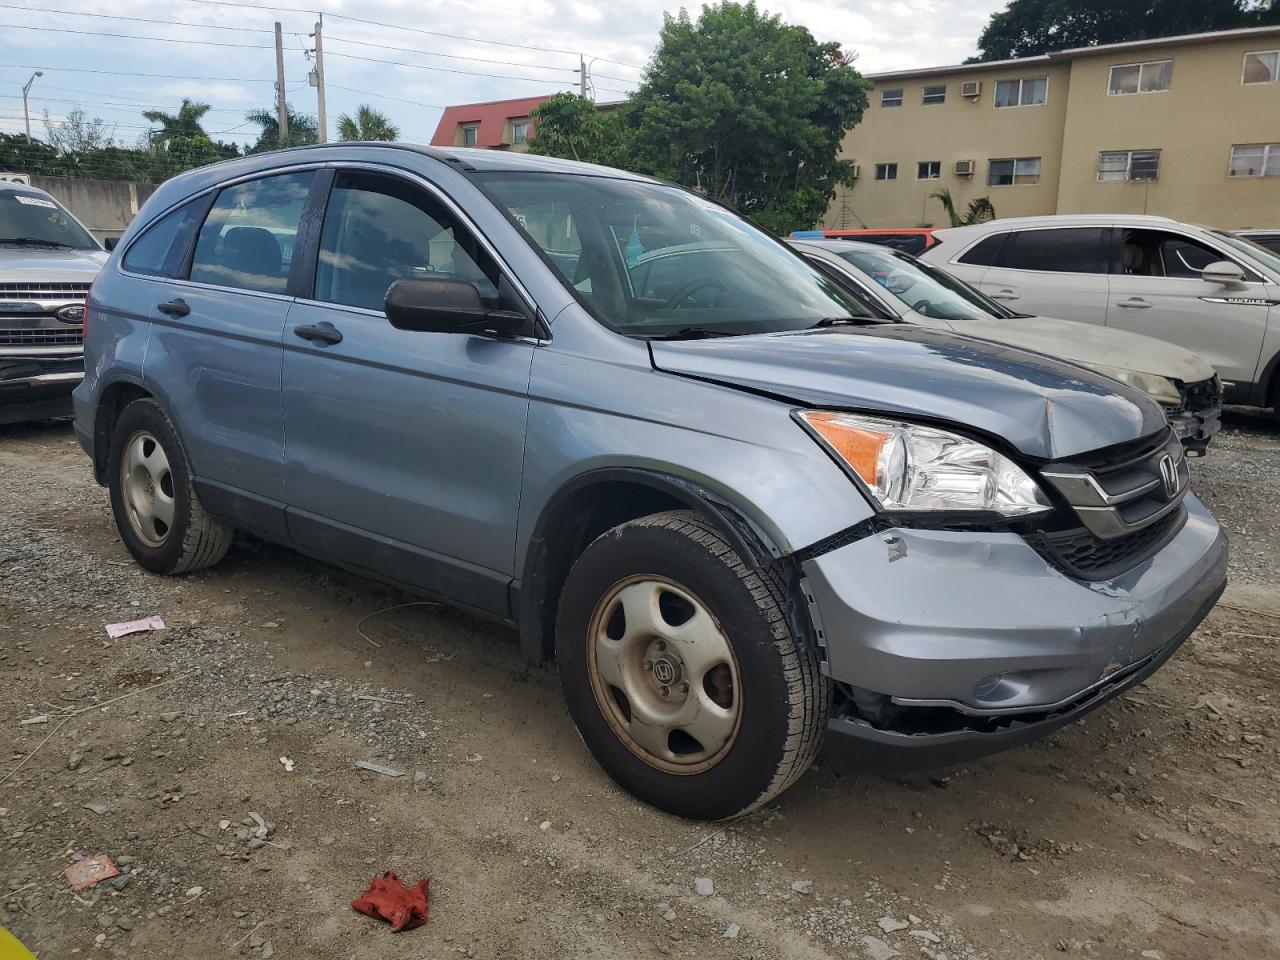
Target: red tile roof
{"points": [[492, 118]]}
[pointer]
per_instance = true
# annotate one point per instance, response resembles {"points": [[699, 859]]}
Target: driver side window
{"points": [[378, 229]]}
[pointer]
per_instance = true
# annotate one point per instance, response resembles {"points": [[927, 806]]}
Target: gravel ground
{"points": [[221, 778]]}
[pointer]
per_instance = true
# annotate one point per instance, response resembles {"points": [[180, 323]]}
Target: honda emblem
{"points": [[1169, 476]]}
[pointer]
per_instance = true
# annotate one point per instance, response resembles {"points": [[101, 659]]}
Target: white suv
{"points": [[1216, 294]]}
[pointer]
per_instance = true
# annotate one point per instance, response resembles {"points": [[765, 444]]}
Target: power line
{"points": [[450, 56], [130, 73], [113, 16], [107, 105], [134, 36], [402, 26], [423, 66], [383, 96]]}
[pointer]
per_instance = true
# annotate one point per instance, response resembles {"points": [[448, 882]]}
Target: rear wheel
{"points": [[159, 516], [680, 670]]}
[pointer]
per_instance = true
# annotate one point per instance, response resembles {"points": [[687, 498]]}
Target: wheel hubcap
{"points": [[664, 674], [146, 483]]}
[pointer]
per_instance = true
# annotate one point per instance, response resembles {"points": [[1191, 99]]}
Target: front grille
{"points": [[34, 290], [1079, 553], [40, 337]]}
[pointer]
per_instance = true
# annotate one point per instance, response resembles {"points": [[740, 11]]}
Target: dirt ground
{"points": [[1149, 830]]}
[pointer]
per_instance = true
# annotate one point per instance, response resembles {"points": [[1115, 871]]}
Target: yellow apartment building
{"points": [[1186, 127]]}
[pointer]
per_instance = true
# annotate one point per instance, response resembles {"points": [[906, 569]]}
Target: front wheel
{"points": [[159, 516], [681, 672]]}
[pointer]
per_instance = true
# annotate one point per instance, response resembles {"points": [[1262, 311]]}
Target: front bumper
{"points": [[37, 389], [1195, 428], [949, 645]]}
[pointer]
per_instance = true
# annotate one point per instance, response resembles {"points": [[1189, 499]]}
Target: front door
{"points": [[404, 449], [1156, 289]]}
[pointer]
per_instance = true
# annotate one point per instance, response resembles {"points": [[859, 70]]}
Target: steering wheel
{"points": [[685, 293], [922, 306]]}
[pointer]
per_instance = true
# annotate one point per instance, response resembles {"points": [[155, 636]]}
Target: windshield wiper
{"points": [[36, 242], [691, 333], [839, 322]]}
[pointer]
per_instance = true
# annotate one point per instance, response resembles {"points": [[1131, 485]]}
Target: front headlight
{"points": [[908, 466], [1158, 388]]}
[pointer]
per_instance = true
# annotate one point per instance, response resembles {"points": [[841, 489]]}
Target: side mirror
{"points": [[1224, 273], [447, 306], [111, 242]]}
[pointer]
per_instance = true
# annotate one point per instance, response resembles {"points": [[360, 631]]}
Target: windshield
{"points": [[34, 220], [926, 289], [1268, 258], [653, 260]]}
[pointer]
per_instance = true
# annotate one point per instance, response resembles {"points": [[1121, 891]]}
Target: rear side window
{"points": [[247, 239], [984, 252], [1075, 250], [160, 250]]}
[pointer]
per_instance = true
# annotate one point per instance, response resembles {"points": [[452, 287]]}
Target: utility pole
{"points": [[317, 75], [281, 107], [582, 75], [26, 114]]}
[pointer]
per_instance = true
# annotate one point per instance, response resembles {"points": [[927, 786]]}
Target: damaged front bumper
{"points": [[950, 645], [1198, 416]]}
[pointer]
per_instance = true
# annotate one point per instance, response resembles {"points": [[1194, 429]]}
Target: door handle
{"points": [[1134, 303], [174, 308], [1004, 295], [323, 333]]}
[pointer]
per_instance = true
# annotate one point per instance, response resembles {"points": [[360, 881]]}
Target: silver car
{"points": [[739, 515], [1216, 294], [909, 290], [47, 262]]}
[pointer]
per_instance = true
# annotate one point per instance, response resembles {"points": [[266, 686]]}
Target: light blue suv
{"points": [[678, 458]]}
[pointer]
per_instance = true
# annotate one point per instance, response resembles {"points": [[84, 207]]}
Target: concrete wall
{"points": [[104, 206], [1205, 110], [1194, 124]]}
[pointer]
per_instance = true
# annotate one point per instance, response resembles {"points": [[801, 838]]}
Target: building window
{"points": [[1255, 160], [1119, 165], [1016, 172], [928, 169], [1153, 77], [891, 98], [886, 171], [1024, 92], [470, 136], [1261, 67], [520, 131], [936, 94]]}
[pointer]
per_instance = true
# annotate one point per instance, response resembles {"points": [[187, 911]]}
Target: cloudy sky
{"points": [[116, 58]]}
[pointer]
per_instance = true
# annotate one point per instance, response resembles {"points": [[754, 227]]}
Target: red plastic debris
{"points": [[389, 899], [85, 873]]}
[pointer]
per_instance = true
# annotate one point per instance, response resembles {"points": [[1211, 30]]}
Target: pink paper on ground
{"points": [[115, 630]]}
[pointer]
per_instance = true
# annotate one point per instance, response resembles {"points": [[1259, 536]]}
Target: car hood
{"points": [[1042, 407], [1090, 344], [35, 263]]}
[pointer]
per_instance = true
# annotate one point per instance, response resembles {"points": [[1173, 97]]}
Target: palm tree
{"points": [[368, 124], [181, 125], [302, 129], [979, 209]]}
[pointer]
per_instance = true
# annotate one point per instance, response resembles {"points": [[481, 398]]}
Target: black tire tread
{"points": [[808, 689]]}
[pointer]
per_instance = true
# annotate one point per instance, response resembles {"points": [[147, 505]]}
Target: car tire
{"points": [[681, 671], [159, 516]]}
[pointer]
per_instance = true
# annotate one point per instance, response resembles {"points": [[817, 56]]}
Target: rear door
{"points": [[1156, 289], [1058, 272], [404, 449], [215, 344]]}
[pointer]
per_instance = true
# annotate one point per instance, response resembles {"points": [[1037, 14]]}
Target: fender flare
{"points": [[749, 541]]}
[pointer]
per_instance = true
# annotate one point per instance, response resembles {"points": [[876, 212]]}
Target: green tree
{"points": [[1026, 28], [747, 109], [367, 124], [570, 126], [183, 124], [978, 210], [302, 129]]}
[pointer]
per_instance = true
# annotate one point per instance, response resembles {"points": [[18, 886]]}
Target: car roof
{"points": [[12, 186], [1057, 220]]}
